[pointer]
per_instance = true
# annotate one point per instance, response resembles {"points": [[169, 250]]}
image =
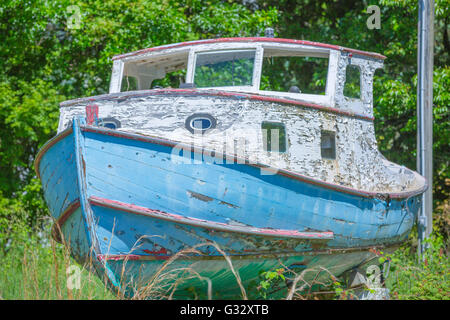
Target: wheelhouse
{"points": [[311, 72]]}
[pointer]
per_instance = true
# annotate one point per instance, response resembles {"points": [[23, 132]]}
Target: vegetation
{"points": [[428, 280], [45, 60]]}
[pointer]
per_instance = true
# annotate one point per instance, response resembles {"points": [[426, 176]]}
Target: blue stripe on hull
{"points": [[144, 174], [122, 232]]}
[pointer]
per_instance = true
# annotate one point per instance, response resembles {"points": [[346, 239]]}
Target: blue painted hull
{"points": [[122, 201]]}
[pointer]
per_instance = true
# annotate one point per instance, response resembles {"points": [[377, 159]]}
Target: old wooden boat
{"points": [[270, 173]]}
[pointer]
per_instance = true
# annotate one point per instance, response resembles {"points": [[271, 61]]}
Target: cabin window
{"points": [[352, 87], [288, 71], [274, 136], [129, 84], [224, 68], [171, 80], [161, 71], [328, 145]]}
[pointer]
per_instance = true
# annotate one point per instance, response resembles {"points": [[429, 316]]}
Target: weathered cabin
{"points": [[315, 118]]}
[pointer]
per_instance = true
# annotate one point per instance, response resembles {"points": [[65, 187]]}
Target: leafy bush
{"points": [[409, 279]]}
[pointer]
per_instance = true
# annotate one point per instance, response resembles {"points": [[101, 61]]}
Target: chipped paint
{"points": [[359, 164], [199, 196], [207, 224]]}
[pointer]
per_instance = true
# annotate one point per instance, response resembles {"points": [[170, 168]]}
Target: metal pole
{"points": [[425, 116]]}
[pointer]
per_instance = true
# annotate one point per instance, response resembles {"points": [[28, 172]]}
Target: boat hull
{"points": [[131, 203]]}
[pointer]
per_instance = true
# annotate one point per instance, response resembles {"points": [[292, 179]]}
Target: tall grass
{"points": [[429, 279], [34, 266]]}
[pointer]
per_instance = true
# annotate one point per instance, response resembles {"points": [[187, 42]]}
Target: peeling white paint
{"points": [[358, 162]]}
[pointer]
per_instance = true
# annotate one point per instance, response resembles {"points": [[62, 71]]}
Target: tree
{"points": [[47, 56]]}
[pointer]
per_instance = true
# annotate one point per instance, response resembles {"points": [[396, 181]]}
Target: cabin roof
{"points": [[251, 39]]}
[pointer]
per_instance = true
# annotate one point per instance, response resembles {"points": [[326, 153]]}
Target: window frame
{"points": [[330, 133], [286, 139], [192, 61], [330, 87], [225, 51], [120, 64], [331, 84]]}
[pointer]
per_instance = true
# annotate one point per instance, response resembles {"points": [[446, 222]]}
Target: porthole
{"points": [[110, 123], [200, 123]]}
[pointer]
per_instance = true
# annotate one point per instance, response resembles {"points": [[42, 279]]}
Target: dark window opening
{"points": [[294, 74], [328, 145], [223, 69], [352, 87], [171, 80], [274, 136], [129, 84]]}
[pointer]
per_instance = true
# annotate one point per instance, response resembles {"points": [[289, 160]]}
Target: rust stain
{"points": [[160, 251], [83, 164], [200, 196], [315, 245], [228, 204]]}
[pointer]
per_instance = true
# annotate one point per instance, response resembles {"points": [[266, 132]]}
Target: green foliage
{"points": [[309, 74], [235, 71], [352, 87], [430, 279], [44, 62], [270, 281], [395, 122], [28, 117], [37, 43]]}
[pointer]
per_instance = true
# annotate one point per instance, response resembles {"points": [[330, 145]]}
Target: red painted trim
{"points": [[71, 208], [116, 257], [157, 214], [227, 94], [50, 143], [252, 40], [91, 113], [283, 172]]}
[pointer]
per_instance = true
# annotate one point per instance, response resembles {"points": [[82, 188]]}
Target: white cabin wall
{"points": [[358, 163]]}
